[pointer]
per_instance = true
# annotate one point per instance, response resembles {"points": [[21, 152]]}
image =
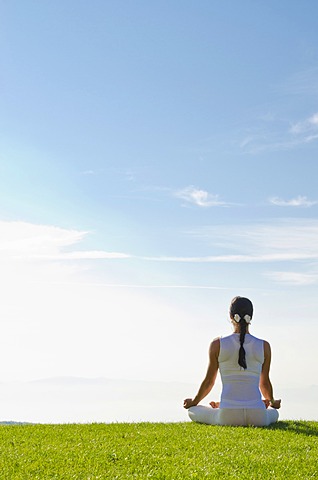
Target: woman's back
{"points": [[241, 386]]}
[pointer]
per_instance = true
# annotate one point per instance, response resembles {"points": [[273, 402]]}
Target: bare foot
{"points": [[215, 404]]}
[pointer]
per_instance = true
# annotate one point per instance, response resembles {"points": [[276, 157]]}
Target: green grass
{"points": [[158, 451]]}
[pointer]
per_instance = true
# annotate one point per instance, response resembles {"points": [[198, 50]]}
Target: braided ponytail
{"points": [[241, 310], [242, 359]]}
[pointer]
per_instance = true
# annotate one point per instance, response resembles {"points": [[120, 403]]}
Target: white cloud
{"points": [[279, 236], [25, 241], [305, 131], [293, 278], [199, 197], [278, 134], [247, 141], [311, 138], [308, 126], [261, 258], [28, 237], [314, 120], [300, 201]]}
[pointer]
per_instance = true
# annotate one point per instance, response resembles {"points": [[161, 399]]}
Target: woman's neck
{"points": [[238, 330]]}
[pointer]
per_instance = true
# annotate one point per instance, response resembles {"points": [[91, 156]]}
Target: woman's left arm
{"points": [[209, 380], [265, 384]]}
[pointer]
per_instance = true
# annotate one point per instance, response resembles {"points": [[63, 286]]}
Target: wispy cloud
{"points": [[299, 201], [280, 134], [293, 278], [261, 258], [306, 130], [280, 241], [28, 237], [286, 242], [283, 235], [26, 241], [199, 197]]}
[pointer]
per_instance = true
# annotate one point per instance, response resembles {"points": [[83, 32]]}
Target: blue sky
{"points": [[157, 158]]}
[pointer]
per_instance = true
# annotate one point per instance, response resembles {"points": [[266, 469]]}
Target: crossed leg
{"points": [[233, 416]]}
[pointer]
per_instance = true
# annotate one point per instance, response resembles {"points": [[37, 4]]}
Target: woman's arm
{"points": [[208, 382], [265, 384]]}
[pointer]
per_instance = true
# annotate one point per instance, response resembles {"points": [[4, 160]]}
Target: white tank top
{"points": [[241, 387]]}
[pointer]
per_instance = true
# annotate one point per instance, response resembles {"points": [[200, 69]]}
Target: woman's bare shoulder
{"points": [[215, 341], [215, 346]]}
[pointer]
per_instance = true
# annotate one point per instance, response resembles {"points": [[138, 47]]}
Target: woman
{"points": [[244, 363]]}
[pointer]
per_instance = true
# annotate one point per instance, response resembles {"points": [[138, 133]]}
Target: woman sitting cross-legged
{"points": [[244, 363]]}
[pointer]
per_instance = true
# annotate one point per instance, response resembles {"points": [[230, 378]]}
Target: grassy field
{"points": [[158, 451]]}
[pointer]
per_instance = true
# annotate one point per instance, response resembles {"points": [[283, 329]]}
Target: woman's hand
{"points": [[275, 404], [188, 402]]}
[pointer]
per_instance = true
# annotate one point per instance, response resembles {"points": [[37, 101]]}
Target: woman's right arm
{"points": [[208, 382], [265, 385]]}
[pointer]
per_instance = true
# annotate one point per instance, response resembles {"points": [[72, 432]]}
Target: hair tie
{"points": [[247, 318], [237, 318]]}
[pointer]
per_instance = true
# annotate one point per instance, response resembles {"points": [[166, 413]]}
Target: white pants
{"points": [[257, 417]]}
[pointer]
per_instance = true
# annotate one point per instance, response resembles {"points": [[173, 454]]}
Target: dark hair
{"points": [[241, 306]]}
